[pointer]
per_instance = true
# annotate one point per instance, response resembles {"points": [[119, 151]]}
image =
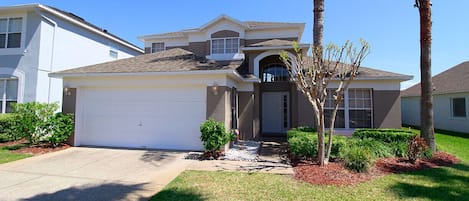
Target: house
{"points": [[36, 39], [226, 69], [450, 100]]}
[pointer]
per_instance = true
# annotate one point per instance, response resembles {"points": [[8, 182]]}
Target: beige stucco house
{"points": [[226, 69]]}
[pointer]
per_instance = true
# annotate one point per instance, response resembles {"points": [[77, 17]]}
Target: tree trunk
{"points": [[321, 131], [318, 23], [426, 99]]}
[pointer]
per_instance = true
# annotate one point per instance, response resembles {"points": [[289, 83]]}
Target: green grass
{"points": [[7, 156], [448, 183]]}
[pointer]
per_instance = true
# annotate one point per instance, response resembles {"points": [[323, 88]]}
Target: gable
{"points": [[224, 25]]}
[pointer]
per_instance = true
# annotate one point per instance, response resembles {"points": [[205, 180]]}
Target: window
{"points": [[360, 108], [329, 107], [458, 107], [225, 45], [10, 32], [113, 51], [157, 47], [8, 93], [275, 73]]}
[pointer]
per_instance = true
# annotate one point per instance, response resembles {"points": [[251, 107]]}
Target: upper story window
{"points": [[113, 51], [157, 47], [458, 107], [275, 73], [8, 93], [225, 45], [10, 32]]}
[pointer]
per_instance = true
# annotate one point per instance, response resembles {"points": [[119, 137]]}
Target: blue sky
{"points": [[391, 27]]}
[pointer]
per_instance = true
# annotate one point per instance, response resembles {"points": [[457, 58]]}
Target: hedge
{"points": [[384, 135], [303, 142], [7, 122]]}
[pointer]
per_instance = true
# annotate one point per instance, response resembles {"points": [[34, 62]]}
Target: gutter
{"points": [[274, 47]]}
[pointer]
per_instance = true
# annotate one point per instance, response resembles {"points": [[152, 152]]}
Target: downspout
{"points": [[36, 10]]}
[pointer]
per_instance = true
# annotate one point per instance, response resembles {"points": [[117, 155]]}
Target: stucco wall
{"points": [[442, 111]]}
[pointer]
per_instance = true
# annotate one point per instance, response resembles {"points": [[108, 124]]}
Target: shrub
{"points": [[33, 120], [61, 127], [7, 125], [398, 149], [385, 135], [357, 159], [417, 147], [303, 142], [214, 136], [377, 148]]}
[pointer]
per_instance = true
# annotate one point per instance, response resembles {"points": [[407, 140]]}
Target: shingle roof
{"points": [[453, 80], [273, 42], [173, 60], [258, 24]]}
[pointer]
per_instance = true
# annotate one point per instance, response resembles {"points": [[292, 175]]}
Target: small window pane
{"points": [[15, 25], [360, 118], [9, 108], [339, 118], [3, 38], [157, 47], [14, 40], [3, 25], [12, 89], [232, 45], [218, 46], [2, 88], [459, 107]]}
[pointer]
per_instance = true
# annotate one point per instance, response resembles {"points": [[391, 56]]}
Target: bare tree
{"points": [[312, 75], [426, 99]]}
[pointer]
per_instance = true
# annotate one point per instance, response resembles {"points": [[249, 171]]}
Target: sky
{"points": [[390, 26]]}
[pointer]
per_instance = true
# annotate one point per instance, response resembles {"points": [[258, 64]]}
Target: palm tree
{"points": [[426, 99]]}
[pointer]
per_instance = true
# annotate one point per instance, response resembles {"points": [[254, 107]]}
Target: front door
{"points": [[275, 113]]}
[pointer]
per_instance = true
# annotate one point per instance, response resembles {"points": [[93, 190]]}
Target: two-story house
{"points": [[226, 69], [36, 39]]}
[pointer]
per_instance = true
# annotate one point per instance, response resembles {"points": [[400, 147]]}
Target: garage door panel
{"points": [[152, 118]]}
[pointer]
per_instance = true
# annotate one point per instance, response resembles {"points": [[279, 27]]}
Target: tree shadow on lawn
{"points": [[175, 194], [449, 185], [109, 191]]}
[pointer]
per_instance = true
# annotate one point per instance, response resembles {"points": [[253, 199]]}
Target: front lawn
{"points": [[7, 156], [447, 183]]}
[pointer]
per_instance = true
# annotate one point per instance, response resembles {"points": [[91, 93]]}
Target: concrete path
{"points": [[272, 159], [90, 174]]}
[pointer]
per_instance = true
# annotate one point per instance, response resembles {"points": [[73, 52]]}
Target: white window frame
{"points": [[18, 50], [4, 100], [346, 107], [113, 51], [224, 45], [452, 107], [153, 49], [360, 108]]}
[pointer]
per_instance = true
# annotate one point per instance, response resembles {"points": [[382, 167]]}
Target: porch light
{"points": [[215, 89], [67, 92]]}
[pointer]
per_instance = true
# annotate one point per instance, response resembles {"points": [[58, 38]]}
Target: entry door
{"points": [[275, 112]]}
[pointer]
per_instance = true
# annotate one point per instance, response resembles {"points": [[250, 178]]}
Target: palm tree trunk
{"points": [[426, 100], [318, 23]]}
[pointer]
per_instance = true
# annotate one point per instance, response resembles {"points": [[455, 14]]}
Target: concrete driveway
{"points": [[90, 174]]}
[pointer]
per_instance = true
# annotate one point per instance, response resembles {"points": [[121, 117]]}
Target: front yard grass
{"points": [[7, 156], [447, 183]]}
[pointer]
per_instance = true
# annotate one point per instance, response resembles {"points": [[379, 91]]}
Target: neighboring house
{"points": [[227, 70], [36, 39], [450, 100]]}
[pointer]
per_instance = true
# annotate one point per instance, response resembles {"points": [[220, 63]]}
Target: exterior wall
{"points": [[386, 109], [51, 44], [246, 114], [442, 110]]}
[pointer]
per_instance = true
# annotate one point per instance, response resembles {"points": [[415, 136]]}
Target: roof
{"points": [[375, 74], [246, 24], [453, 80], [172, 60], [75, 19], [273, 42]]}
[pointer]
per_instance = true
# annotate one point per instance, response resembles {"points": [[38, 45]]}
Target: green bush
{"points": [[398, 149], [376, 148], [7, 125], [303, 142], [357, 159], [384, 135], [61, 127], [33, 120], [214, 135]]}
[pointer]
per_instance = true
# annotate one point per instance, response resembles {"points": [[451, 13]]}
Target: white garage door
{"points": [[162, 118]]}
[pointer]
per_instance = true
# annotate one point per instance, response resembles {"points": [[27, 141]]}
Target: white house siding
{"points": [[442, 111]]}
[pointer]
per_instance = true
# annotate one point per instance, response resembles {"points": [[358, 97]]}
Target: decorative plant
{"points": [[417, 147], [214, 137]]}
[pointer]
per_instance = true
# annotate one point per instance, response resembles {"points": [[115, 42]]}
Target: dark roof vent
{"points": [[104, 30]]}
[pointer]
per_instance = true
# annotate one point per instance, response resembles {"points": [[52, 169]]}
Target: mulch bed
{"points": [[34, 149], [336, 174]]}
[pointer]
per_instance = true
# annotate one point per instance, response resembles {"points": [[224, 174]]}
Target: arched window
{"points": [[275, 73]]}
